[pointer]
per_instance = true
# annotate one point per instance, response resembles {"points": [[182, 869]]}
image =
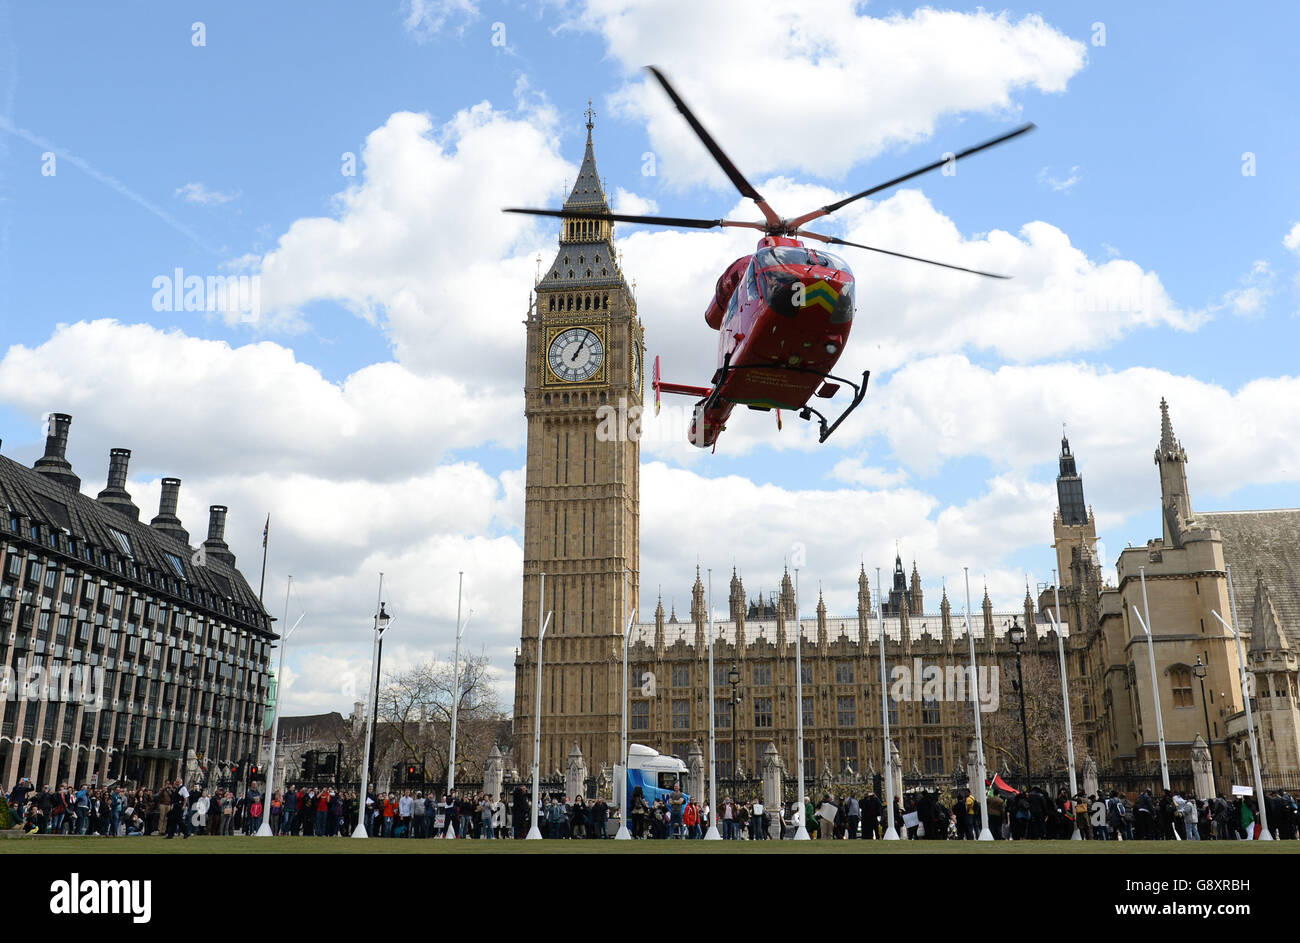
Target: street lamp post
{"points": [[382, 619], [1017, 636], [733, 679], [534, 832], [1200, 669]]}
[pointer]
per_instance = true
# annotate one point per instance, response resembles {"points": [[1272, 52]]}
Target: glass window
{"points": [[762, 712], [1180, 679], [722, 713], [681, 676], [640, 715], [846, 711], [932, 752], [809, 711], [848, 755], [806, 673], [929, 711], [763, 674], [844, 672], [682, 714], [893, 710]]}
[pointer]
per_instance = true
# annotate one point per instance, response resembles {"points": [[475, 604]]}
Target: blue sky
{"points": [[361, 384]]}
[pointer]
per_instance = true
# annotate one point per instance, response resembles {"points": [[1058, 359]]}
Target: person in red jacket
{"points": [[691, 819]]}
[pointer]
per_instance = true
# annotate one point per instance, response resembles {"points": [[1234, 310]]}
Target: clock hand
{"points": [[581, 344]]}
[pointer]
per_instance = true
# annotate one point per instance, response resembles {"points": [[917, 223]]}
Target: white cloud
{"points": [[200, 194], [625, 201], [943, 408], [1292, 239], [424, 19], [420, 244], [289, 417], [888, 80], [1060, 183]]}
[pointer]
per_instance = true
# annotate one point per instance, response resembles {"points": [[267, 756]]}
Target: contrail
{"points": [[107, 180]]}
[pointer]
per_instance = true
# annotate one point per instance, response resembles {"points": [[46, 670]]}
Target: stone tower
{"points": [[582, 399], [1074, 530]]}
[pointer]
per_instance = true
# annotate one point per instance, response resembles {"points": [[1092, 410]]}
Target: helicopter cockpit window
{"points": [[751, 283], [797, 255], [732, 306]]}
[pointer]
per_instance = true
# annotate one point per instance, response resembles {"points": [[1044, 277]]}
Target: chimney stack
{"points": [[115, 495], [215, 545], [167, 521], [54, 463]]}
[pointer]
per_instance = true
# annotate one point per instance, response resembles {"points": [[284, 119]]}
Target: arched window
{"points": [[1180, 679]]}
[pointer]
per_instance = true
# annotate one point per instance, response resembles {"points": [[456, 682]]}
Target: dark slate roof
{"points": [[38, 498], [1267, 543], [579, 258]]}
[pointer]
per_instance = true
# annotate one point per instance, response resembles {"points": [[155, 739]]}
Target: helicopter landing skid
{"points": [[806, 412]]}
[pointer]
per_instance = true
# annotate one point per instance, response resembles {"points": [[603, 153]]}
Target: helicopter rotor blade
{"points": [[682, 222], [902, 255], [733, 173], [832, 207]]}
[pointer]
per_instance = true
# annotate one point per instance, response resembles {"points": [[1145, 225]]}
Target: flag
{"points": [[1247, 820], [998, 783], [266, 531]]}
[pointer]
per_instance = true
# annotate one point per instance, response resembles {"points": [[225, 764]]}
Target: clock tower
{"points": [[583, 373]]}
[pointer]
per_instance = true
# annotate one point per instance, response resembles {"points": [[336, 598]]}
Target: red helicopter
{"points": [[783, 313]]}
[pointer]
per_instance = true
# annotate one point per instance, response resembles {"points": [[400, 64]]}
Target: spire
{"points": [[1176, 502], [1266, 633], [1167, 441], [587, 194], [1069, 488]]}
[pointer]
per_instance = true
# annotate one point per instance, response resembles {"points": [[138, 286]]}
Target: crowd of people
{"points": [[1034, 815], [178, 810]]}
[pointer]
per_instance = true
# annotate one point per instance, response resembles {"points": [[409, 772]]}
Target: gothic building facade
{"points": [[581, 532], [582, 489], [1176, 587]]}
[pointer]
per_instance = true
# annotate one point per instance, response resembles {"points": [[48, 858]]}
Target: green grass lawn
{"points": [[15, 843]]}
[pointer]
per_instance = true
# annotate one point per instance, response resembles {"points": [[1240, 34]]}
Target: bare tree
{"points": [[1044, 713], [415, 707]]}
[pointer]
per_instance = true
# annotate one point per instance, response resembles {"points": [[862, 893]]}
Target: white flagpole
{"points": [[986, 834], [1065, 698], [1155, 681], [264, 830], [712, 834], [455, 691], [801, 833], [891, 833], [535, 832]]}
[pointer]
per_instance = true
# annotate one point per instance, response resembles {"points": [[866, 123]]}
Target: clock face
{"points": [[576, 354]]}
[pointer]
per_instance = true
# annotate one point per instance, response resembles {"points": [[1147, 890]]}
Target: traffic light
{"points": [[234, 772], [252, 773], [412, 773], [309, 765]]}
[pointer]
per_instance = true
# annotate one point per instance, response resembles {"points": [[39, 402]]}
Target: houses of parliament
{"points": [[582, 532]]}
